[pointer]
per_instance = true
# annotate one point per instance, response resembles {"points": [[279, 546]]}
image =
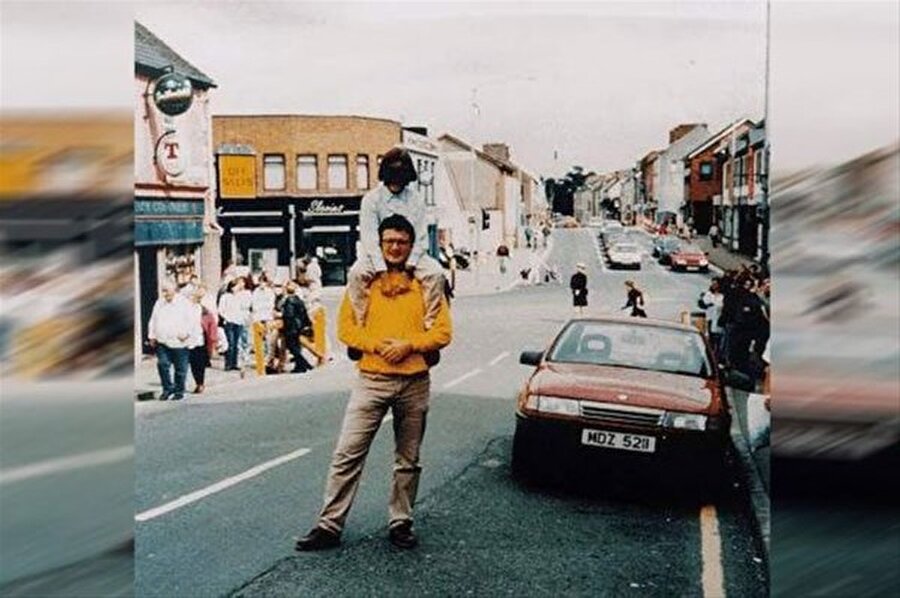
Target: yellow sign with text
{"points": [[237, 176]]}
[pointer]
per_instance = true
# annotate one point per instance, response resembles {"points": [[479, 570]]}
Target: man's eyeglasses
{"points": [[397, 242]]}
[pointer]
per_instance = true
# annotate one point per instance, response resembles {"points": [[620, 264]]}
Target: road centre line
{"points": [[218, 486], [711, 553], [64, 464], [499, 358], [462, 378]]}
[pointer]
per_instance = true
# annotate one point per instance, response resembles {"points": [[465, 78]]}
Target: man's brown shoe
{"points": [[402, 536], [318, 538]]}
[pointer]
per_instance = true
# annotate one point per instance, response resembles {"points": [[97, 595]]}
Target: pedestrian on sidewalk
{"points": [[634, 299], [234, 308], [579, 286], [169, 332], [296, 324], [714, 235], [262, 309], [393, 375], [711, 302], [394, 196], [203, 341]]}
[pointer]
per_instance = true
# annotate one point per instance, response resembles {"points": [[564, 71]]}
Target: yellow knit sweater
{"points": [[401, 317]]}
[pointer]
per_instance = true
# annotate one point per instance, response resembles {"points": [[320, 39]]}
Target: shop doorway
{"points": [[336, 249]]}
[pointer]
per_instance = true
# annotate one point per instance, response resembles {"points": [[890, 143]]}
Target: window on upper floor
{"points": [[273, 172], [337, 172], [307, 172], [362, 172]]}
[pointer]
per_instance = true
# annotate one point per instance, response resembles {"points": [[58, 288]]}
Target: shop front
{"points": [[330, 231], [168, 236]]}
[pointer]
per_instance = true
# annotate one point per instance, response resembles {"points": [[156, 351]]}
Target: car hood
{"points": [[643, 388]]}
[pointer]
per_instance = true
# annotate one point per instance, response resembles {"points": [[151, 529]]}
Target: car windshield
{"points": [[690, 249], [626, 248], [633, 346], [669, 243]]}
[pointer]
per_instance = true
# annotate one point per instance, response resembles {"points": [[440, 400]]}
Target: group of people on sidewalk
{"points": [[272, 320], [737, 311], [190, 327]]}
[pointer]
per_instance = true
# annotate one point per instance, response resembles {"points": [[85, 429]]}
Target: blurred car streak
{"points": [[66, 357]]}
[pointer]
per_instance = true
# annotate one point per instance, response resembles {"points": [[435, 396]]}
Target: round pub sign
{"points": [[173, 94]]}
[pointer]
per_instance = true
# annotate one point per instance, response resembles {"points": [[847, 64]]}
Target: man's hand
{"points": [[152, 343], [394, 350]]}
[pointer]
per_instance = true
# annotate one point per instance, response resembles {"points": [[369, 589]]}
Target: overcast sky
{"points": [[601, 83]]}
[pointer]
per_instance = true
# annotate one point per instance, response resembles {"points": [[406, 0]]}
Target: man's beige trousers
{"points": [[373, 395]]}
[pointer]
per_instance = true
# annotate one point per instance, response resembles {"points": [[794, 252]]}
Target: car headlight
{"points": [[553, 405], [685, 421]]}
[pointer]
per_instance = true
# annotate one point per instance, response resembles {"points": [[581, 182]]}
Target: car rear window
{"points": [[633, 346]]}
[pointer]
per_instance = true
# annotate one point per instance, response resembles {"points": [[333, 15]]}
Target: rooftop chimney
{"points": [[682, 130], [497, 150]]}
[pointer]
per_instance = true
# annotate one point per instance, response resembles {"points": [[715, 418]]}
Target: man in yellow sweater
{"points": [[393, 375]]}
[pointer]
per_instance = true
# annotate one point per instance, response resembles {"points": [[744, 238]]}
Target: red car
{"points": [[643, 390], [689, 258]]}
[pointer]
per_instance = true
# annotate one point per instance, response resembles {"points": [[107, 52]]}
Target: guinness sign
{"points": [[173, 94]]}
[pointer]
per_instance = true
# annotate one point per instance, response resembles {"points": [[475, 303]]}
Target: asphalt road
{"points": [[225, 483]]}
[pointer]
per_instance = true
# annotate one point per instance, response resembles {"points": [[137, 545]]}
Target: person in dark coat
{"points": [[635, 300], [578, 283], [296, 324]]}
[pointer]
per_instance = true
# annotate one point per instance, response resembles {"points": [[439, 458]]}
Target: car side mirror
{"points": [[531, 358]]}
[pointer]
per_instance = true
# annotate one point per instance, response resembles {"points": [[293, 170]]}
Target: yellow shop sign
{"points": [[237, 176]]}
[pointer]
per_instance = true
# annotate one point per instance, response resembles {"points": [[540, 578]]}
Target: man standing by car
{"points": [[393, 375]]}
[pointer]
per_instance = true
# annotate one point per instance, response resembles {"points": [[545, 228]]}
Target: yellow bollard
{"points": [[259, 347], [318, 345]]}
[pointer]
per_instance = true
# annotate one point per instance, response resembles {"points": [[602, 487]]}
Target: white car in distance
{"points": [[625, 255]]}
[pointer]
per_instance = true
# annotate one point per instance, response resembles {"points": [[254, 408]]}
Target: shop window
{"points": [[706, 171], [273, 172], [337, 172], [362, 172], [180, 264], [307, 172]]}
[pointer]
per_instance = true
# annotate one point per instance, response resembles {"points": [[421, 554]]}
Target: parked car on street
{"points": [[611, 227], [612, 388], [688, 258], [664, 246], [625, 255]]}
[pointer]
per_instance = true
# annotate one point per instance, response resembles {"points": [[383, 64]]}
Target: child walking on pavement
{"points": [[394, 196]]}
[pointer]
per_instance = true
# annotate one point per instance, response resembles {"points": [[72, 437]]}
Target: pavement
{"points": [[721, 257], [225, 481]]}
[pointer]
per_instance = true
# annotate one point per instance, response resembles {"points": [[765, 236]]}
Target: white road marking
{"points": [[499, 358], [711, 552], [218, 486], [64, 464], [462, 378]]}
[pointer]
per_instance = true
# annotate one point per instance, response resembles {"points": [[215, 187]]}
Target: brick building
{"points": [[290, 185], [703, 177]]}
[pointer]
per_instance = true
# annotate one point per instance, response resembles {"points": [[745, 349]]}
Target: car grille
{"points": [[615, 414]]}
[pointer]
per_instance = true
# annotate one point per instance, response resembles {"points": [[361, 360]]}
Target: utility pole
{"points": [[764, 180], [472, 194]]}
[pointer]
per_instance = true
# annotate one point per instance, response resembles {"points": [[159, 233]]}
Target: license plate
{"points": [[619, 440], [693, 267]]}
